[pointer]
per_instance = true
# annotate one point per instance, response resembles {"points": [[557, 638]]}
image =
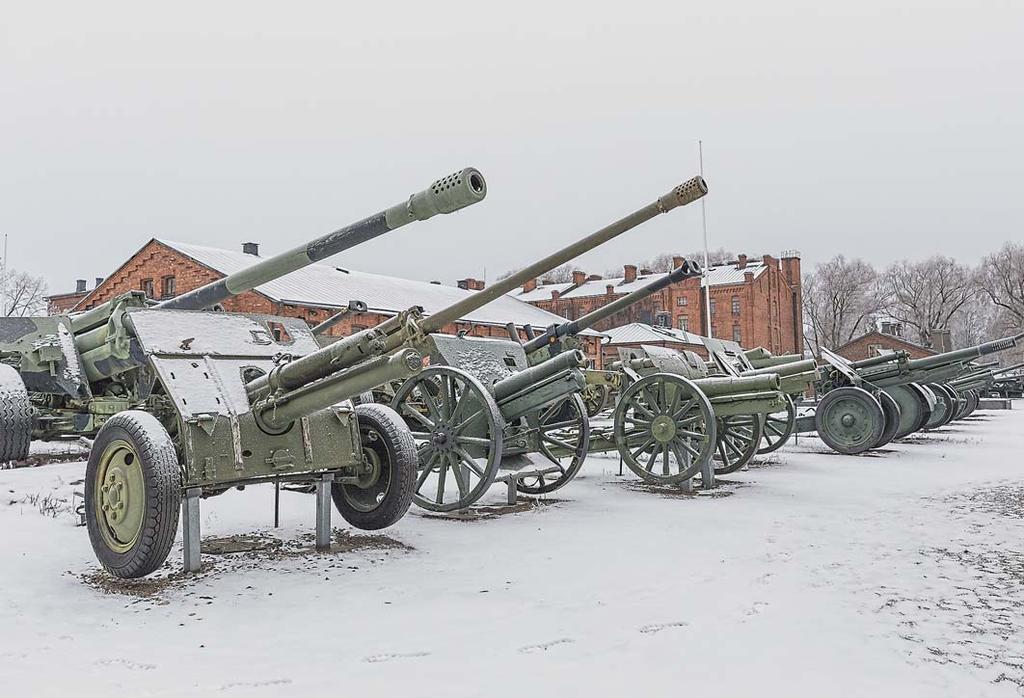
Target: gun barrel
{"points": [[967, 354], [719, 386], [787, 369], [535, 375], [1015, 367], [683, 194], [446, 195], [686, 271], [880, 359]]}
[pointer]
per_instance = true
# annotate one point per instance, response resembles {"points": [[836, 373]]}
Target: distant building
{"points": [[753, 302], [62, 302], [164, 269], [875, 343]]}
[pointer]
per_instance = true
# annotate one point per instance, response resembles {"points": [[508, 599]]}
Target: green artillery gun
{"points": [[1008, 383], [977, 380], [183, 402], [479, 406]]}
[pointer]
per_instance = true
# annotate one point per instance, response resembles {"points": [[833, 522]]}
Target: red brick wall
{"points": [[57, 305], [862, 347]]}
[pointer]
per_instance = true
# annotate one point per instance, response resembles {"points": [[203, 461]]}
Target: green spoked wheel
{"points": [[738, 439], [596, 399], [563, 431], [944, 406], [849, 420], [383, 492], [132, 494], [777, 428], [891, 410], [915, 406], [457, 429], [664, 428]]}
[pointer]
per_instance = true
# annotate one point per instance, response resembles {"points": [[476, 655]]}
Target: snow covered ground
{"points": [[895, 574]]}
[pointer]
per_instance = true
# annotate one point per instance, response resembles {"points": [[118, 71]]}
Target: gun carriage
{"points": [[189, 403]]}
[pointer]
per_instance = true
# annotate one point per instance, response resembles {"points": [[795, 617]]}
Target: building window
{"points": [[684, 323], [735, 305], [737, 335], [167, 287], [712, 306], [663, 320], [874, 350], [147, 287], [682, 302]]}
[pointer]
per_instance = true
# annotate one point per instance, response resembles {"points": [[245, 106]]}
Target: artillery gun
{"points": [[183, 402], [479, 406]]}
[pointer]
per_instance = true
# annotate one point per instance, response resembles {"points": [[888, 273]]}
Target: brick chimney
{"points": [[629, 271], [579, 277], [80, 285], [470, 284], [99, 280], [555, 294], [748, 277], [530, 285], [741, 262], [646, 272], [677, 261], [609, 289], [769, 261], [252, 248]]}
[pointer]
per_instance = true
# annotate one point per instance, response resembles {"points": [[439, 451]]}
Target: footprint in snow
{"points": [[545, 646], [388, 656], [658, 627], [126, 663]]}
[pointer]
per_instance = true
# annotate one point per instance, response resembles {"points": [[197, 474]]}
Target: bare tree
{"points": [[719, 256], [1001, 278], [26, 294], [841, 296], [927, 295]]}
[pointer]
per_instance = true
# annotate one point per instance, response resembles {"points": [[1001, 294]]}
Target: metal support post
{"points": [[323, 512], [277, 503], [190, 528], [707, 475]]}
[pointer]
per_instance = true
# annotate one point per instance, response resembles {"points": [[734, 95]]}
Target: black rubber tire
{"points": [[162, 477], [15, 416], [383, 431]]}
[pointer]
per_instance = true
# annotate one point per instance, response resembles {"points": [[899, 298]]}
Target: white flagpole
{"points": [[704, 224]]}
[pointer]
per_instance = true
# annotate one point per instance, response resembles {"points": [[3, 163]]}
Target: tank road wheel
{"points": [[849, 420], [778, 427], [457, 429], [384, 491], [973, 399], [563, 431], [944, 406], [664, 428], [738, 439], [891, 409], [596, 398], [914, 407], [132, 494], [15, 416]]}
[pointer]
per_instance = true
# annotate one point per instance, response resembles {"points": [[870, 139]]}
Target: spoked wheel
{"points": [[778, 427], [596, 398], [664, 428], [891, 410], [564, 434], [849, 420], [914, 407], [944, 406], [132, 494], [383, 492], [738, 439], [457, 429]]}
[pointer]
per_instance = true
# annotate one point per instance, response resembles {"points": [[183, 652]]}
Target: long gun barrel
{"points": [[960, 355], [555, 332], [683, 194]]}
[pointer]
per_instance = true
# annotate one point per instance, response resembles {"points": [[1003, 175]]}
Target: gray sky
{"points": [[876, 129]]}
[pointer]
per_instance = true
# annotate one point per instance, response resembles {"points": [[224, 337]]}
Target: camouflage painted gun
{"points": [[191, 403], [480, 407]]}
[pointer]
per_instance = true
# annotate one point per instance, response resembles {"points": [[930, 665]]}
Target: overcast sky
{"points": [[876, 129]]}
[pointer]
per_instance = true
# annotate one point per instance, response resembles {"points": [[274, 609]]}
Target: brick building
{"points": [[63, 302], [164, 269], [876, 342], [753, 302]]}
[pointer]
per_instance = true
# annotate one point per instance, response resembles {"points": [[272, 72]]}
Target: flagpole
{"points": [[704, 224]]}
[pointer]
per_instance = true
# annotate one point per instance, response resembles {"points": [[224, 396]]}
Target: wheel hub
{"points": [[114, 496], [663, 428], [441, 439], [848, 420]]}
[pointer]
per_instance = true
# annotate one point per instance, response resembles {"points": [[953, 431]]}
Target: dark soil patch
{"points": [[479, 513]]}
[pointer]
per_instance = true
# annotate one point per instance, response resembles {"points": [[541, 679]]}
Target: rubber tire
{"points": [[401, 457], [891, 409], [15, 416], [162, 476]]}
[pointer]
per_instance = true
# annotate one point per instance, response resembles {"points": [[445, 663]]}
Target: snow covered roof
{"points": [[639, 333], [720, 275], [327, 286]]}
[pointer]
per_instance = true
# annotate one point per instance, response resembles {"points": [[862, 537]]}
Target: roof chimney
{"points": [[741, 261], [578, 277], [470, 284], [677, 261], [99, 280], [530, 285], [80, 285], [252, 248], [629, 271], [609, 289]]}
